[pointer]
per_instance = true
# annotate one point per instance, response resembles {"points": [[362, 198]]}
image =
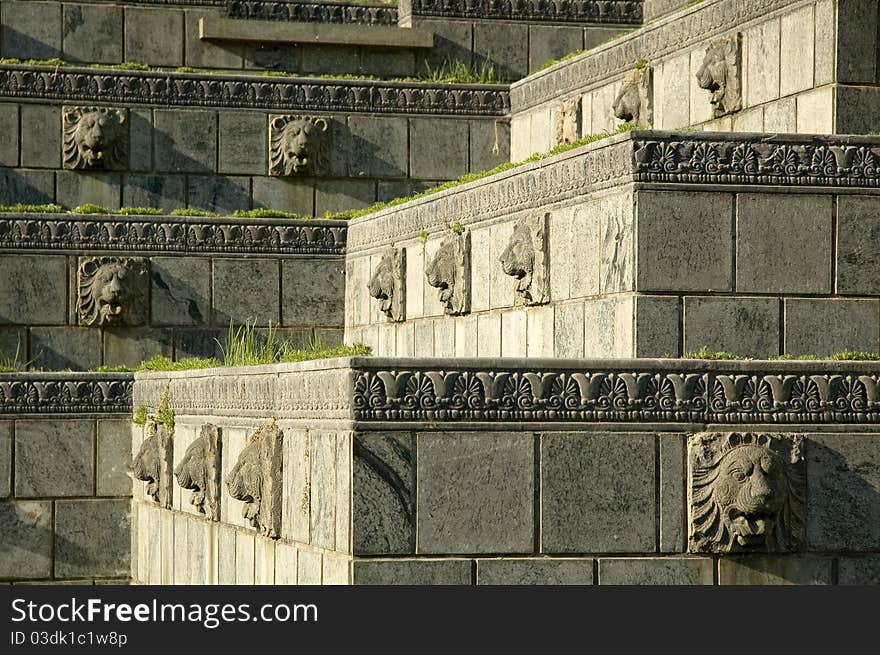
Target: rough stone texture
{"points": [[858, 245], [9, 128], [378, 147], [246, 290], [783, 243], [505, 45], [843, 474], [41, 136], [26, 534], [824, 327], [762, 62], [184, 141], [91, 538], [31, 30], [671, 112], [535, 572], [256, 480], [657, 326], [586, 505], [748, 327], [490, 508], [858, 571], [309, 569], [295, 469], [684, 241], [659, 571], [412, 572], [59, 348], [312, 292], [322, 489], [797, 56], [446, 140], [181, 291], [6, 440], [779, 116], [817, 113], [242, 143], [154, 35], [857, 28], [113, 458], [489, 144], [568, 331], [285, 563], [54, 458], [774, 571], [672, 493]]}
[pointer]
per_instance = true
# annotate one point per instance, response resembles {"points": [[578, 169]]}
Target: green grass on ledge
{"points": [[841, 356]]}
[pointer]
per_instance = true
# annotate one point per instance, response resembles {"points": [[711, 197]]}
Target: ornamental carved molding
{"points": [[534, 11], [526, 258], [635, 101], [450, 272], [153, 463], [747, 492], [65, 393], [199, 471], [721, 74], [568, 121], [95, 138], [256, 480], [298, 145], [112, 291], [387, 285], [314, 12]]}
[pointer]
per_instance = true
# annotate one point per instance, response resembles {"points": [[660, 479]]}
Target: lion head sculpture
{"points": [[256, 480], [199, 471], [112, 291], [449, 271], [95, 138], [297, 145], [568, 121], [525, 258], [747, 492], [152, 464], [720, 73], [633, 101], [386, 284]]}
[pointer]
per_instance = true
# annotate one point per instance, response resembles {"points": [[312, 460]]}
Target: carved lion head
{"points": [[518, 258], [246, 480], [146, 465], [747, 492], [386, 284], [719, 74], [297, 145], [112, 291], [198, 471], [449, 271], [95, 138]]}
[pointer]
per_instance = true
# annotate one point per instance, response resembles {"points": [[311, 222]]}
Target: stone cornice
{"points": [[65, 393], [313, 12], [171, 234], [618, 12], [160, 88]]}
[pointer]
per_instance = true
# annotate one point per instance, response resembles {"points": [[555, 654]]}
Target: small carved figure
{"points": [[721, 74], [95, 138], [387, 282], [633, 103], [525, 258], [568, 121], [199, 471], [112, 290], [297, 145], [153, 463], [747, 492], [256, 480], [450, 271]]}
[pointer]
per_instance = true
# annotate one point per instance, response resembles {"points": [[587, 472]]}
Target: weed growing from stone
{"points": [[193, 212], [89, 208], [139, 211], [140, 416], [163, 363], [31, 209], [265, 213]]}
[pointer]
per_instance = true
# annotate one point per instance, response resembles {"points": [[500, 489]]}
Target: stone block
{"points": [[780, 116], [481, 267], [466, 336], [325, 59], [26, 540], [246, 290], [295, 471], [343, 501], [226, 555], [587, 506], [502, 287], [268, 56], [29, 187], [77, 188], [335, 570], [453, 41], [672, 108], [748, 327], [423, 340], [6, 441], [858, 571], [542, 571], [505, 46], [684, 241], [387, 340], [132, 346], [91, 538], [489, 145], [333, 196], [35, 289], [312, 292], [549, 42], [378, 147], [843, 503], [180, 560], [54, 458], [243, 148], [322, 489], [560, 250], [539, 331], [412, 572], [438, 148], [181, 291], [585, 238], [656, 571], [672, 493], [9, 127], [541, 136], [220, 194], [154, 36], [657, 326], [490, 506], [444, 338], [244, 558], [388, 64], [825, 48], [761, 62], [59, 348], [113, 458], [92, 34], [204, 54], [285, 564], [520, 131], [184, 140], [797, 57], [816, 111], [488, 335], [198, 343], [309, 568], [140, 141], [291, 195], [513, 334], [824, 327], [568, 333], [264, 561], [165, 192], [700, 105], [616, 236], [783, 243], [31, 30], [750, 120], [858, 245], [856, 36], [40, 136], [803, 570]]}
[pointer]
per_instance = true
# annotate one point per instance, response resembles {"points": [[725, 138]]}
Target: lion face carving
{"points": [[720, 74], [199, 471], [297, 145], [153, 463], [386, 284], [633, 102], [112, 291], [449, 271], [747, 492], [95, 138], [525, 258], [568, 121], [256, 480]]}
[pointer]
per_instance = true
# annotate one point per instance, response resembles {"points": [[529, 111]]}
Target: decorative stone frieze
{"points": [[634, 103], [65, 393], [298, 144], [450, 271], [532, 11], [526, 259], [95, 138], [256, 479], [721, 74], [112, 291], [747, 492], [154, 461], [387, 284], [199, 471], [568, 121], [314, 12]]}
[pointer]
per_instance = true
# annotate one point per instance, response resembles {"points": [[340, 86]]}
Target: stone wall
{"points": [[528, 472], [648, 244], [64, 489], [180, 282]]}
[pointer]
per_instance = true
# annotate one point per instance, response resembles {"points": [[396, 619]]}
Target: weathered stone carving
{"points": [[568, 121], [256, 479], [721, 73], [526, 259], [387, 283], [153, 463], [297, 144], [450, 271], [634, 102], [747, 492], [112, 290], [75, 393], [95, 138], [313, 12], [199, 471]]}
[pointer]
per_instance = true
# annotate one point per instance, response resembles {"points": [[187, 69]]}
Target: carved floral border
{"points": [[313, 12], [621, 12], [71, 394]]}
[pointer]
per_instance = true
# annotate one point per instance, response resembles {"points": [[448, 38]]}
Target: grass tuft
{"points": [[193, 212], [163, 363], [265, 213], [139, 211], [20, 208], [89, 208], [140, 416]]}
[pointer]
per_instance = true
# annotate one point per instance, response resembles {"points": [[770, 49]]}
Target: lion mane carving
{"points": [[297, 145], [95, 138], [256, 480], [152, 464], [386, 284], [720, 73], [450, 271], [525, 258], [633, 103], [199, 471], [112, 290], [747, 492]]}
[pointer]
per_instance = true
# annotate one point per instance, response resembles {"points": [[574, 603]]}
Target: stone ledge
{"points": [[65, 393]]}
